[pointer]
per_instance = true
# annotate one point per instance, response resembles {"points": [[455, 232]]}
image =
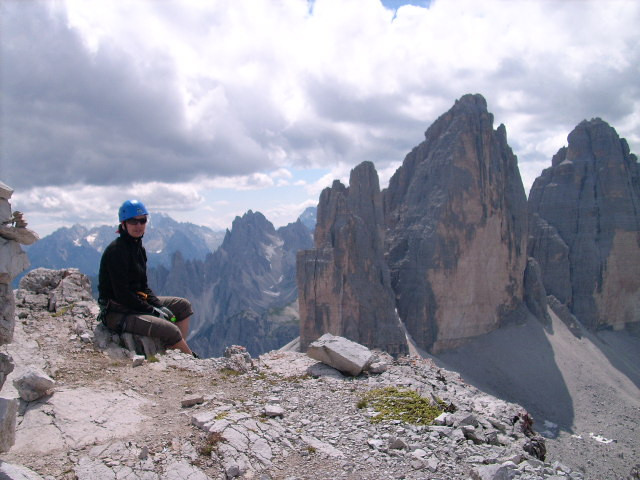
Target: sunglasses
{"points": [[136, 221]]}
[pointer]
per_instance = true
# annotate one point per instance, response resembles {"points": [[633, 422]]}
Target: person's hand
{"points": [[165, 313]]}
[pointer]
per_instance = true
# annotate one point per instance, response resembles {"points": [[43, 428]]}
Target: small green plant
{"points": [[311, 449], [64, 310], [211, 444], [221, 415], [261, 376], [407, 406], [152, 359], [228, 372]]}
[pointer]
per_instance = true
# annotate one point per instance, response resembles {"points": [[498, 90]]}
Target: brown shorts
{"points": [[150, 325]]}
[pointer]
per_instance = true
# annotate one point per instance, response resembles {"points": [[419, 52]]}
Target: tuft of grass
{"points": [[228, 372], [221, 415], [211, 444], [407, 406], [64, 310], [152, 359]]}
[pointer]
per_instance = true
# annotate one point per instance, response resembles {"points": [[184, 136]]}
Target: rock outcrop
{"points": [[13, 260], [585, 227], [344, 286], [13, 232], [457, 229]]}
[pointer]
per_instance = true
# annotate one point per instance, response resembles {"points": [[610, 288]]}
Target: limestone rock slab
{"points": [[340, 353], [17, 472], [73, 418]]}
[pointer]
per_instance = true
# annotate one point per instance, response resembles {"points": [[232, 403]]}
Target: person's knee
{"points": [[173, 335]]}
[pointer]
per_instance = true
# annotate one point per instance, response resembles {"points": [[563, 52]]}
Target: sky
{"points": [[206, 109]]}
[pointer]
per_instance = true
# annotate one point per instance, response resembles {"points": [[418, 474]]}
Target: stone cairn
{"points": [[13, 261]]}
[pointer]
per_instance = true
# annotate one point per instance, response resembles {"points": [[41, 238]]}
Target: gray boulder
{"points": [[33, 384], [340, 353]]}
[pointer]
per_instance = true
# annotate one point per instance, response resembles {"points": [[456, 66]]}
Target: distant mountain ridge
{"points": [[81, 247], [243, 293]]}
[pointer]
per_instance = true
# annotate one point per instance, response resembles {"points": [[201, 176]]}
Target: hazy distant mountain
{"points": [[245, 292], [82, 247], [309, 218]]}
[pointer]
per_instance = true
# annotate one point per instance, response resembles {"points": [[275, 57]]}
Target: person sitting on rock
{"points": [[126, 301]]}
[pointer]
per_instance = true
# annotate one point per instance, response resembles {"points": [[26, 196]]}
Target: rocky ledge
{"points": [[281, 416]]}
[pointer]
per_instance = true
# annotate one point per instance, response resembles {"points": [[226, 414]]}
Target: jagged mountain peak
{"points": [[309, 218], [249, 233], [594, 141]]}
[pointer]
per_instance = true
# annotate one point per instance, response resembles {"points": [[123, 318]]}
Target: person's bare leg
{"points": [[183, 325], [182, 346]]}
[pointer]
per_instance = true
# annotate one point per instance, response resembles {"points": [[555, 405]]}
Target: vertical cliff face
{"points": [[586, 215], [343, 283], [456, 218]]}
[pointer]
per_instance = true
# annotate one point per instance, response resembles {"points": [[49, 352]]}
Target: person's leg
{"points": [[182, 346], [156, 327], [183, 325], [181, 308]]}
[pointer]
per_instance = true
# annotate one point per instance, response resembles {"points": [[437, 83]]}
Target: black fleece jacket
{"points": [[123, 272]]}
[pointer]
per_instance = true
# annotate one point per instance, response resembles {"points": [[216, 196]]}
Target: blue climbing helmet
{"points": [[130, 209]]}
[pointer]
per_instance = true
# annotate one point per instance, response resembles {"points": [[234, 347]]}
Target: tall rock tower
{"points": [[344, 286], [457, 228], [13, 260], [585, 226]]}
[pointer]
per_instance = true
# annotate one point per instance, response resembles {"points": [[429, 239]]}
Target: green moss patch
{"points": [[407, 406]]}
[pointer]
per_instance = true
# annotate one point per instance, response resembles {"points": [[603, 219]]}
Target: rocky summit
{"points": [[585, 227], [455, 213], [344, 287], [105, 415], [447, 251]]}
